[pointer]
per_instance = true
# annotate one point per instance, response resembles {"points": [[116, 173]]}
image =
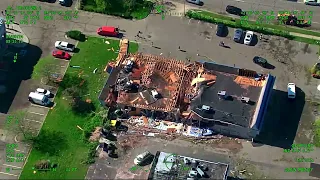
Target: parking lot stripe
{"points": [[34, 105], [12, 166], [8, 174], [35, 112], [18, 150], [32, 120]]}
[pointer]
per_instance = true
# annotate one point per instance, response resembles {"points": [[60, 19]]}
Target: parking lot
{"points": [[32, 122]]}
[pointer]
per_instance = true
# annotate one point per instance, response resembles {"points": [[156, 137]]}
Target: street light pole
{"points": [[184, 8]]}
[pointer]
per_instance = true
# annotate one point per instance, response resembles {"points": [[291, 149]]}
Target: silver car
{"points": [[237, 35]]}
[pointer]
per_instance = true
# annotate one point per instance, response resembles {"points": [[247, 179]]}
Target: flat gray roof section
{"points": [[172, 166], [232, 110]]}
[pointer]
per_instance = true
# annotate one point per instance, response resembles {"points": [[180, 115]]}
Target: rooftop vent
{"points": [[245, 100], [206, 108], [222, 93]]}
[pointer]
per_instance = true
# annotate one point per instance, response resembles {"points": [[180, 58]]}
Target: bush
{"points": [[77, 35], [50, 142], [235, 23], [92, 153], [90, 125]]}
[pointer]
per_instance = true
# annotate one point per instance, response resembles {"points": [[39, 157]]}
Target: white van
{"points": [[291, 90], [40, 99]]}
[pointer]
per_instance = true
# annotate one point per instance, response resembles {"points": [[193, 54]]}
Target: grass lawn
{"points": [[271, 26], [317, 133], [93, 54]]}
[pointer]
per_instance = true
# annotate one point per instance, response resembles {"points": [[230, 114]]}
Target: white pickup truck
{"points": [[64, 46]]}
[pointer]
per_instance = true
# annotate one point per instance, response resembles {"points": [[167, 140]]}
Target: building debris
{"points": [[194, 99]]}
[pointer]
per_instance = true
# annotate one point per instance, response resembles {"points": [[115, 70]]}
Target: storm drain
{"points": [[315, 170]]}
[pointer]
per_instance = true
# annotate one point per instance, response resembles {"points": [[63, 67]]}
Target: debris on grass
{"points": [[95, 70], [107, 42], [79, 127], [95, 135]]}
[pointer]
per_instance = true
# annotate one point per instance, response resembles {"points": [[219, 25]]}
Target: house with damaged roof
{"points": [[229, 100]]}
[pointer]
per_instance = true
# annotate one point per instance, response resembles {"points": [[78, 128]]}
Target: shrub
{"points": [[50, 142], [90, 125], [92, 153], [77, 35]]}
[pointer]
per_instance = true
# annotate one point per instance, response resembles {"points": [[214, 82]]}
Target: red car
{"points": [[108, 31], [61, 54]]}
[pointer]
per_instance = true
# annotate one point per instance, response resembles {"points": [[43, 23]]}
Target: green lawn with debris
{"points": [[93, 54]]}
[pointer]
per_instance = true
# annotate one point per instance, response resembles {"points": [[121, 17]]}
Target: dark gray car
{"points": [[237, 35]]}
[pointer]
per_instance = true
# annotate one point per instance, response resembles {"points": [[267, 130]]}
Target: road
{"points": [[264, 5]]}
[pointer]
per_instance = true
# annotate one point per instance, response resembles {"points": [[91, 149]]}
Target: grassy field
{"points": [[93, 54], [271, 26], [317, 133]]}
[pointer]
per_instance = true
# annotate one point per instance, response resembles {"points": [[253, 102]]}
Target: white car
{"points": [[248, 38], [291, 90], [64, 46], [44, 92]]}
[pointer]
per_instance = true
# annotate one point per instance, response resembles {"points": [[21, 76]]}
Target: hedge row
{"points": [[77, 35], [237, 24]]}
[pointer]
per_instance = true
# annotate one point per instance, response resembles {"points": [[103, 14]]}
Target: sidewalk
{"points": [[305, 36], [15, 36]]}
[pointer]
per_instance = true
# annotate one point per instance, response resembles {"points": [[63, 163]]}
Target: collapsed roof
{"points": [[211, 91]]}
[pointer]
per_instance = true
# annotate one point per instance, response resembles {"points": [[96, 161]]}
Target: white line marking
{"points": [[36, 112], [315, 22], [239, 0], [8, 174], [18, 150], [12, 166], [32, 120]]}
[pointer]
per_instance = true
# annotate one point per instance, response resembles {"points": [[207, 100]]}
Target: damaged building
{"points": [[230, 101]]}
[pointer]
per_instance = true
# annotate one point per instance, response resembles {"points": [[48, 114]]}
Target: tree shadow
{"points": [[24, 64], [282, 119]]}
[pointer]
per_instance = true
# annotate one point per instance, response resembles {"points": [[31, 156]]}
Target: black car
{"points": [[235, 10], [260, 61], [222, 30], [238, 35]]}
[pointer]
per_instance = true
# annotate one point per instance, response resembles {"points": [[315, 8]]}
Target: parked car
{"points": [[43, 91], [64, 46], [40, 99], [235, 10], [61, 54], [237, 35], [291, 91], [197, 2], [141, 158], [248, 38], [108, 31], [222, 30], [260, 61], [65, 2]]}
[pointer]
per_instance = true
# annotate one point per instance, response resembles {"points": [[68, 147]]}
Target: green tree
{"points": [[49, 141], [16, 124], [101, 4]]}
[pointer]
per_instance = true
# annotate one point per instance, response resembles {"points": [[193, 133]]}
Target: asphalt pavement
{"points": [[263, 5]]}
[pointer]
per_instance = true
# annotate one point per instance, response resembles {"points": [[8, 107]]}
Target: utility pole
{"points": [[184, 8]]}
